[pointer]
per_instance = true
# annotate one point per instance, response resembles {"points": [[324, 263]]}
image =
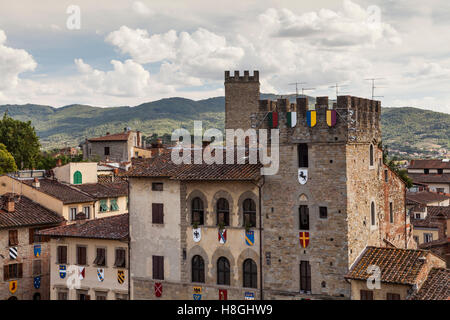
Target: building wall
{"points": [[379, 294], [25, 255], [88, 171], [138, 152], [90, 283], [122, 203], [420, 233]]}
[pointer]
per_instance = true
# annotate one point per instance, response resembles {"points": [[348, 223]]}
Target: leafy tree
{"points": [[7, 163], [20, 140]]}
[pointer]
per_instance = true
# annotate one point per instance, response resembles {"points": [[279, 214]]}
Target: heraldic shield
{"points": [[302, 176]]}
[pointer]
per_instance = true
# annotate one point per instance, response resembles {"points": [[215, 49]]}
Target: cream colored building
{"points": [[86, 249], [77, 173]]}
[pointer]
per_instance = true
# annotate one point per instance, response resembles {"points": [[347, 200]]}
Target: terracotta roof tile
{"points": [[122, 136], [26, 213], [430, 178], [61, 191], [429, 164], [435, 287], [113, 228], [425, 197], [104, 189], [400, 266]]}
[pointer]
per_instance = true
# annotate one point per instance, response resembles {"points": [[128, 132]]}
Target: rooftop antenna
{"points": [[374, 87], [306, 89], [296, 87], [337, 86]]}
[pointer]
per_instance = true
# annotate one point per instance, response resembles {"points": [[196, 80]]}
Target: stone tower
{"points": [[241, 99], [345, 184]]}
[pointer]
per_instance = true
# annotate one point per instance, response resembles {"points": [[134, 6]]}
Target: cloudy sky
{"points": [[129, 52]]}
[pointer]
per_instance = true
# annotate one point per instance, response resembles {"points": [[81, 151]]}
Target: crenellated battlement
{"points": [[245, 78]]}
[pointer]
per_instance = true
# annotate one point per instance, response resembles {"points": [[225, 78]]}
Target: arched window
{"points": [[77, 178], [197, 211], [372, 213], [249, 207], [250, 274], [198, 269], [223, 271], [371, 155], [223, 212]]}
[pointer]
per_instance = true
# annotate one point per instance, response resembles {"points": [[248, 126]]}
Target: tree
{"points": [[20, 140], [7, 163], [392, 163]]}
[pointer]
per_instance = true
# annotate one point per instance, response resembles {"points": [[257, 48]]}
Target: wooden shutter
{"points": [[19, 270], [158, 267], [31, 235], [157, 213], [5, 272]]}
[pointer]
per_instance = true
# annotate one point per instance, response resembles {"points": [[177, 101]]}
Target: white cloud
{"points": [[141, 8], [13, 62]]}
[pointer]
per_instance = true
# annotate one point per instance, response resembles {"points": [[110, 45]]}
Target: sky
{"points": [[116, 53]]}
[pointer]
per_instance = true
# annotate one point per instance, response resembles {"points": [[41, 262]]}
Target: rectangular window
{"points": [[305, 276], [62, 295], [83, 295], [106, 151], [87, 212], [73, 214], [426, 171], [416, 239], [304, 217], [366, 295], [120, 261], [61, 255], [100, 295], [13, 238], [392, 296], [157, 213], [391, 213], [323, 212], [440, 190], [302, 151], [103, 205], [427, 237], [100, 258], [386, 176], [157, 186], [37, 268], [158, 267], [81, 255], [34, 237], [114, 205], [440, 171], [12, 271]]}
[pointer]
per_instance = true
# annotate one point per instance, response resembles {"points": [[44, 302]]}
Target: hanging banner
{"points": [[273, 119], [291, 119], [62, 271], [249, 238], [37, 250], [302, 176], [37, 282], [197, 234], [311, 118], [223, 294], [13, 286], [120, 276], [331, 118], [13, 253], [158, 289], [222, 236], [100, 274], [81, 272], [304, 239]]}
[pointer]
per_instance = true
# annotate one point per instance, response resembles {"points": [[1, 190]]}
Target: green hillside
{"points": [[404, 129]]}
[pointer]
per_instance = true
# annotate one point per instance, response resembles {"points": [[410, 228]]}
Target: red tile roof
{"points": [[436, 211], [429, 164], [421, 178], [26, 213], [162, 166], [401, 266], [61, 191], [435, 287], [425, 197], [112, 228], [122, 136], [105, 189]]}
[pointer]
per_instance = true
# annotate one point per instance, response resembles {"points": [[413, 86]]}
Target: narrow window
{"points": [[323, 212], [223, 271], [302, 151], [13, 238], [81, 255], [197, 211], [106, 151], [250, 274], [305, 276], [392, 296], [371, 155], [37, 267], [198, 269], [223, 212], [372, 213], [304, 217], [386, 176], [120, 261], [100, 258], [391, 213], [249, 207], [87, 212], [77, 178], [113, 204], [103, 205], [158, 267], [61, 256], [157, 186], [73, 214], [157, 213], [427, 237], [366, 295]]}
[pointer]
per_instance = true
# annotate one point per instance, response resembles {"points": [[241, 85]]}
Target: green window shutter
{"points": [[114, 205], [103, 205], [77, 178]]}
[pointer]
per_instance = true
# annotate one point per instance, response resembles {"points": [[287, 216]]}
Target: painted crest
{"points": [[37, 250], [302, 176], [249, 238], [249, 296], [291, 119], [311, 118], [197, 296], [197, 234], [37, 282], [13, 286], [120, 276], [331, 118], [62, 271], [273, 119], [13, 253], [304, 238], [158, 289], [197, 293], [81, 272], [100, 274], [223, 294], [223, 236]]}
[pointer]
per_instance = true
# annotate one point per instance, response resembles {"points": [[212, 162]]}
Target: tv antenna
{"points": [[374, 87], [337, 86], [303, 88]]}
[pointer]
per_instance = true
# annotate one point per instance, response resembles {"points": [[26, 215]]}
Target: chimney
{"points": [[36, 184], [138, 134], [9, 202], [58, 162]]}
